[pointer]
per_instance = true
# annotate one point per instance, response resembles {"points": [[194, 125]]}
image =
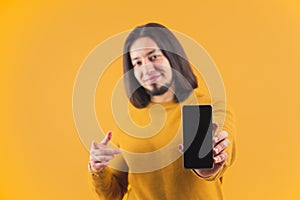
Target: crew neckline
{"points": [[164, 103]]}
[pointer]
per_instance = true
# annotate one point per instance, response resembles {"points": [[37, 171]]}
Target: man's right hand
{"points": [[100, 155]]}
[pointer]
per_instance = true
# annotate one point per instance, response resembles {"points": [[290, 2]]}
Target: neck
{"points": [[168, 96]]}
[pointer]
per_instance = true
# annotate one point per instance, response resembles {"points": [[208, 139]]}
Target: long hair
{"points": [[172, 50]]}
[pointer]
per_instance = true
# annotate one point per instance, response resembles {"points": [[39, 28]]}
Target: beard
{"points": [[157, 91]]}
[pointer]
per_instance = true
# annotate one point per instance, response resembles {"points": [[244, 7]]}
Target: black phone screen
{"points": [[197, 136]]}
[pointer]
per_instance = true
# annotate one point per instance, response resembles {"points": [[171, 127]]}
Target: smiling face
{"points": [[151, 68]]}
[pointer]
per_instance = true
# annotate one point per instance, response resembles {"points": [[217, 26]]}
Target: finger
{"points": [[180, 148], [219, 137], [99, 166], [106, 138], [104, 152], [110, 151], [215, 127], [221, 158], [221, 146], [94, 145], [101, 158], [95, 152]]}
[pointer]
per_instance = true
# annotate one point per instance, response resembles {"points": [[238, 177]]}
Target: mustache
{"points": [[152, 75]]}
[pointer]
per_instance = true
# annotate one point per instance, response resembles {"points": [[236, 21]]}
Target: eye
{"points": [[153, 57], [138, 63]]}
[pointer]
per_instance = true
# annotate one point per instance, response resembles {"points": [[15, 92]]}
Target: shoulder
{"points": [[198, 97]]}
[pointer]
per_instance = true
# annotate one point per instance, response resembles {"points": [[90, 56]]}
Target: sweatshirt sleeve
{"points": [[111, 184], [224, 116]]}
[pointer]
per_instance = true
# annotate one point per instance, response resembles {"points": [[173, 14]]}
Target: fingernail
{"points": [[216, 159], [109, 135], [216, 138], [216, 150], [181, 147]]}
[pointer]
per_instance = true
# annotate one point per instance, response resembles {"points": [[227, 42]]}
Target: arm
{"points": [[107, 182], [110, 184], [229, 153]]}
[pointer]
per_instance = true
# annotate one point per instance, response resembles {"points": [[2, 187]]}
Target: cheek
{"points": [[137, 74], [168, 70], [170, 73]]}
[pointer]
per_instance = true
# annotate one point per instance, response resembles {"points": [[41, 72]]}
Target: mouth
{"points": [[151, 79]]}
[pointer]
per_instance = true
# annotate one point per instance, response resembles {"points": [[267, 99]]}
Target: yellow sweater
{"points": [[154, 164]]}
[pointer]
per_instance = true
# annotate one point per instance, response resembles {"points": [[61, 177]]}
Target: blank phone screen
{"points": [[197, 136]]}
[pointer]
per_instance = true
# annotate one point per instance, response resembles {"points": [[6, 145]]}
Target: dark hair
{"points": [[172, 50]]}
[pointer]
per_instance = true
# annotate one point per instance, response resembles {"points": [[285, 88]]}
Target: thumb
{"points": [[215, 127], [107, 138], [180, 148]]}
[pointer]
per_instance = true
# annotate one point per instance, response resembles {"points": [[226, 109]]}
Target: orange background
{"points": [[255, 45]]}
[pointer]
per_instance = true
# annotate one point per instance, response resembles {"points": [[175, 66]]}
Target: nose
{"points": [[148, 66]]}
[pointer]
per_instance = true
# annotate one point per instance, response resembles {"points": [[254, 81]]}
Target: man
{"points": [[158, 73]]}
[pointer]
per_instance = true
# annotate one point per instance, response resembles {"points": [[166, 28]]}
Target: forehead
{"points": [[142, 46]]}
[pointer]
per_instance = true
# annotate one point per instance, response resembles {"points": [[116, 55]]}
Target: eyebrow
{"points": [[147, 54]]}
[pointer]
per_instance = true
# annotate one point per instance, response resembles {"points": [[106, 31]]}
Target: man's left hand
{"points": [[220, 142]]}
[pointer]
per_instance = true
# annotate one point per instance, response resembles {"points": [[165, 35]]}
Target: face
{"points": [[151, 68]]}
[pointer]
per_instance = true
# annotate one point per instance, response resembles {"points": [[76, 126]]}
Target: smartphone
{"points": [[197, 136]]}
